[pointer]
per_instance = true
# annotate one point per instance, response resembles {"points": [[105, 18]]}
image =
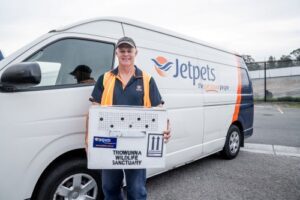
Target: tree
{"points": [[248, 58], [287, 61], [296, 54], [250, 62], [272, 62], [272, 59], [285, 58]]}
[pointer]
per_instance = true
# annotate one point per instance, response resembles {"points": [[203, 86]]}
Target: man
{"points": [[126, 85], [82, 74]]}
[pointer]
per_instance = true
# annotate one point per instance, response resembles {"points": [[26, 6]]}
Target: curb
{"points": [[272, 149]]}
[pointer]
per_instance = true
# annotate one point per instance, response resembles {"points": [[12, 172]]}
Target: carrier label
{"points": [[105, 142]]}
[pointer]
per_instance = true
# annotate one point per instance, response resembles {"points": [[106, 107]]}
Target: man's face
{"points": [[126, 55]]}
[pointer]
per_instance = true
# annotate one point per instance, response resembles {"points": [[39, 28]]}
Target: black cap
{"points": [[126, 40], [81, 68]]}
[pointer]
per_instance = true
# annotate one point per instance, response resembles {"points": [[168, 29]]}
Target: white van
{"points": [[207, 92]]}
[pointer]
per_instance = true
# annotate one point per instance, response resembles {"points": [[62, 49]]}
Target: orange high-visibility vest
{"points": [[109, 85]]}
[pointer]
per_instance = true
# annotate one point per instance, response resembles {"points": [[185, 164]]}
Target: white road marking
{"points": [[279, 109], [259, 106]]}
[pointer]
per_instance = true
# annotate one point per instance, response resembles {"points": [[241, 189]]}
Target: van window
{"points": [[73, 61], [246, 87]]}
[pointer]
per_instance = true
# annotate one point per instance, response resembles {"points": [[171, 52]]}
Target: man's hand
{"points": [[87, 126], [167, 133]]}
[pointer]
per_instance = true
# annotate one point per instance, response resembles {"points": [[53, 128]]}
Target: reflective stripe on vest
{"points": [[109, 85]]}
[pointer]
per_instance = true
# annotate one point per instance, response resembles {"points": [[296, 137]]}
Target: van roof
{"points": [[146, 26]]}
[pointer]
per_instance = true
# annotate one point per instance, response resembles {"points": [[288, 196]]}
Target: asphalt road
{"points": [[266, 175], [276, 124], [249, 176]]}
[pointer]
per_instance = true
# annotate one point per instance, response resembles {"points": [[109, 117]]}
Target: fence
{"points": [[275, 80]]}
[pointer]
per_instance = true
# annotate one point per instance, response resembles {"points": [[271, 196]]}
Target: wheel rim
{"points": [[77, 187], [234, 142]]}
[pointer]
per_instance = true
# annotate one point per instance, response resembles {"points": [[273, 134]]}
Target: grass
{"points": [[279, 99], [284, 103]]}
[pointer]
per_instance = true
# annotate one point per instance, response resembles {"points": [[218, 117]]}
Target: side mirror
{"points": [[21, 76]]}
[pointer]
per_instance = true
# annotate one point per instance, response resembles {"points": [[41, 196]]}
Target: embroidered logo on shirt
{"points": [[139, 88]]}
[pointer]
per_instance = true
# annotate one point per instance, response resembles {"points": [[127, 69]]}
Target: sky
{"points": [[259, 28]]}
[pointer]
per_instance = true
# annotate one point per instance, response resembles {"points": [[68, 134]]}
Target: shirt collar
{"points": [[137, 74]]}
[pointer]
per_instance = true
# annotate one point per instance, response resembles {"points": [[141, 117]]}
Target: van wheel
{"points": [[233, 143], [71, 180]]}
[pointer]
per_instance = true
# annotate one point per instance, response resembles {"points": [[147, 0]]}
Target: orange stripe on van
{"points": [[239, 92]]}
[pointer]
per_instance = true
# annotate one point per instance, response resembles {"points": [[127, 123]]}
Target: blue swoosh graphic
{"points": [[167, 66], [159, 65]]}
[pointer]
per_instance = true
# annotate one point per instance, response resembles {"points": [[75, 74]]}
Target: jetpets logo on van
{"points": [[186, 70]]}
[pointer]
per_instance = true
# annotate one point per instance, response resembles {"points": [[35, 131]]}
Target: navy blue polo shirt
{"points": [[132, 94]]}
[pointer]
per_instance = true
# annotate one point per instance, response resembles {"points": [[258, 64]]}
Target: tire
{"points": [[233, 143], [71, 180]]}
